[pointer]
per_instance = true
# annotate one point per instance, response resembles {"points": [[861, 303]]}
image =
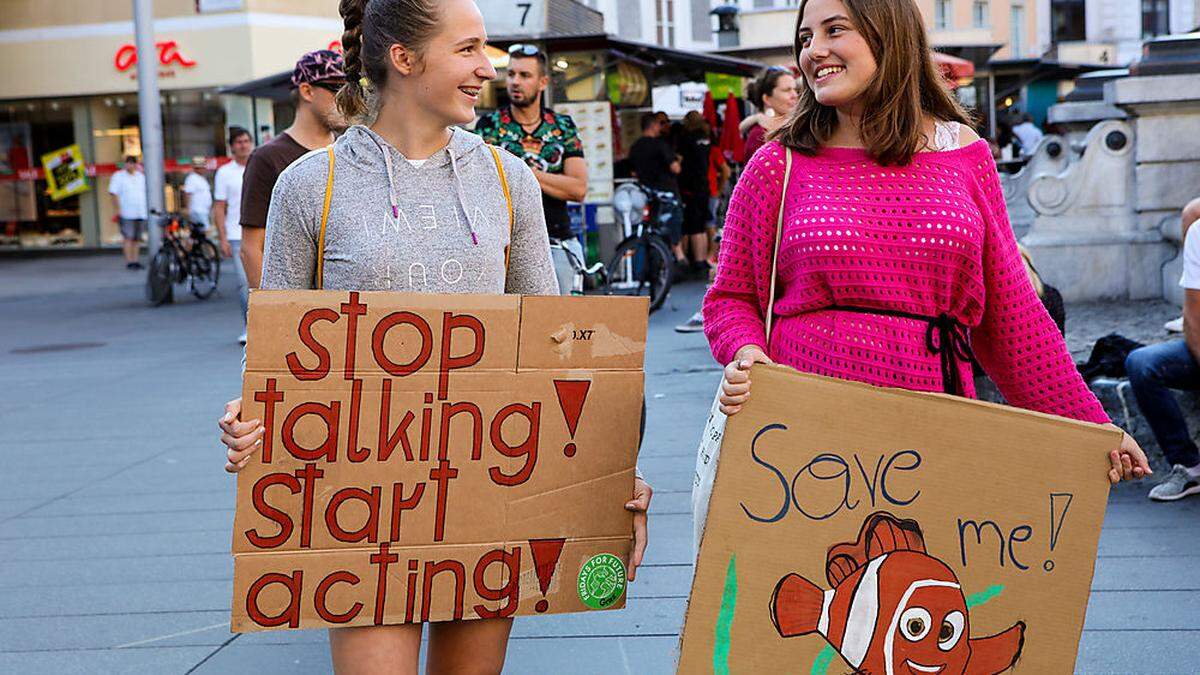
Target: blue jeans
{"points": [[1153, 372], [243, 285]]}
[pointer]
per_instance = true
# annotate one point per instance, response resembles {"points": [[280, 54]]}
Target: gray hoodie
{"points": [[436, 228]]}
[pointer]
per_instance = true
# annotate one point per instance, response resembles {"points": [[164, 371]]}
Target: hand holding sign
{"points": [[241, 439]]}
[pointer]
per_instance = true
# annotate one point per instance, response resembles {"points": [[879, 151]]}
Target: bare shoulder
{"points": [[966, 135]]}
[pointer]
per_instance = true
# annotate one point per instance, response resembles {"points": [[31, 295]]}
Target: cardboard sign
{"points": [[434, 457], [857, 529]]}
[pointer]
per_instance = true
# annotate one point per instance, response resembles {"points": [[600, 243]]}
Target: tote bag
{"points": [[709, 451]]}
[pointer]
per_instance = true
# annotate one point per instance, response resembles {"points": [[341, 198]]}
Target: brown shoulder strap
{"points": [[319, 281]]}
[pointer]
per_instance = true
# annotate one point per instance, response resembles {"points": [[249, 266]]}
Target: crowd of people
{"points": [[859, 272]]}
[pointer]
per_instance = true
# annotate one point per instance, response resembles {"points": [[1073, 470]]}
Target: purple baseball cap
{"points": [[319, 66]]}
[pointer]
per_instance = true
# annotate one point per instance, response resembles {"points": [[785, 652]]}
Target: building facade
{"points": [[68, 77], [1112, 31], [679, 24]]}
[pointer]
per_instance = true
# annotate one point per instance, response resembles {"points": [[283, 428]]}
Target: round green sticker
{"points": [[602, 581]]}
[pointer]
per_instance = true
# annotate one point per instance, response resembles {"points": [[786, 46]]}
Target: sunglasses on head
{"points": [[524, 50]]}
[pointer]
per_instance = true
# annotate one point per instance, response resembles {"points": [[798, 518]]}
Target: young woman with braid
{"points": [[425, 64], [896, 260]]}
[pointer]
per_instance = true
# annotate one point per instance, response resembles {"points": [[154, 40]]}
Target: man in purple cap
{"points": [[315, 81]]}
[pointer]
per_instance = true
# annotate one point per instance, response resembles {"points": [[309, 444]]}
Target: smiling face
{"points": [[452, 68], [931, 633], [834, 57]]}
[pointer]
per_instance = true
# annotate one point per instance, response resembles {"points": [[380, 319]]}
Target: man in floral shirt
{"points": [[548, 142]]}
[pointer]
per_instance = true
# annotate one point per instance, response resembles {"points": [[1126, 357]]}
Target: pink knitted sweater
{"points": [[929, 238]]}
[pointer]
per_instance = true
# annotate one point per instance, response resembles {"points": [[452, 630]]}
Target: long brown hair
{"points": [[906, 87], [371, 28]]}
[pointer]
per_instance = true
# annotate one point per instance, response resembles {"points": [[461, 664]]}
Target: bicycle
{"points": [[588, 279], [186, 254], [643, 263]]}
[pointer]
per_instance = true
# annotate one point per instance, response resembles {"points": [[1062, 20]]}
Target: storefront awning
{"points": [[276, 87], [1012, 75], [670, 66], [978, 54], [956, 71]]}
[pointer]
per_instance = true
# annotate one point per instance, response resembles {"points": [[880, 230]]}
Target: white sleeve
{"points": [[220, 189], [189, 185], [114, 184], [1191, 259]]}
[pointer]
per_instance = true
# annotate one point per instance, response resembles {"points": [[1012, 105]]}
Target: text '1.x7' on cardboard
{"points": [[436, 457], [866, 530]]}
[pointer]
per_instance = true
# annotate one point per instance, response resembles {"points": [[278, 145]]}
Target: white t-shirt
{"points": [[1191, 259], [1029, 135], [229, 189], [199, 195], [130, 190]]}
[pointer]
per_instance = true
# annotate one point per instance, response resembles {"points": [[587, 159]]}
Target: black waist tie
{"points": [[945, 336]]}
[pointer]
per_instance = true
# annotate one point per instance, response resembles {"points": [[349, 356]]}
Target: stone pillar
{"points": [[1052, 155], [1166, 116], [1085, 236]]}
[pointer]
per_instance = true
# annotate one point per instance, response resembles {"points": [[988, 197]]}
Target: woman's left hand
{"points": [[638, 505], [1128, 462]]}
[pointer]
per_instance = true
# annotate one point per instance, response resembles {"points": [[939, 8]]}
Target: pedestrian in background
{"points": [[1028, 134], [426, 64], [316, 79], [128, 190], [227, 210], [695, 145], [1157, 369], [774, 92], [549, 143], [875, 128], [197, 194]]}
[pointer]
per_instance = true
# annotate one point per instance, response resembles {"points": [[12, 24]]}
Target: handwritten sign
{"points": [[857, 529], [434, 457]]}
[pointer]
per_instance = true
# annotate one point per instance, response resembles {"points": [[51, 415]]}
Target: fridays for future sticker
{"points": [[602, 581]]}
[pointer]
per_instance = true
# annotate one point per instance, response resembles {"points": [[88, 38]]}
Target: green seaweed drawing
{"points": [[725, 620]]}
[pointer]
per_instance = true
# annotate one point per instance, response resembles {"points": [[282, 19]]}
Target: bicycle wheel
{"points": [[160, 276], [641, 266], [205, 269]]}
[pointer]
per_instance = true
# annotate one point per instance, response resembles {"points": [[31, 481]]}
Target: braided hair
{"points": [[371, 27]]}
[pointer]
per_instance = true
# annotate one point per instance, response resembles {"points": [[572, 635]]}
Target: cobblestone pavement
{"points": [[115, 514]]}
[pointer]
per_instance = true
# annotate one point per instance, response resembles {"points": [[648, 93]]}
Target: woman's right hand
{"points": [[242, 439], [735, 389]]}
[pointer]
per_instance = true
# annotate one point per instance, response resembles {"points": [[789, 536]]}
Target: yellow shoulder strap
{"points": [[507, 199], [320, 276]]}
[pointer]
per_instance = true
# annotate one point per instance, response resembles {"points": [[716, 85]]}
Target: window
{"points": [[1016, 38], [664, 22], [943, 14], [980, 14], [1155, 18], [1067, 21]]}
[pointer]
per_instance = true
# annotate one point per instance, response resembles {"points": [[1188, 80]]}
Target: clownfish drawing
{"points": [[892, 608]]}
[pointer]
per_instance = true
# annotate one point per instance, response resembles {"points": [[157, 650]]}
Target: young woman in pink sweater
{"points": [[896, 261]]}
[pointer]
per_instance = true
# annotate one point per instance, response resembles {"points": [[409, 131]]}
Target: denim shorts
{"points": [[132, 228]]}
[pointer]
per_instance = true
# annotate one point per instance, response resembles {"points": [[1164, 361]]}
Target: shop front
{"points": [[71, 91]]}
